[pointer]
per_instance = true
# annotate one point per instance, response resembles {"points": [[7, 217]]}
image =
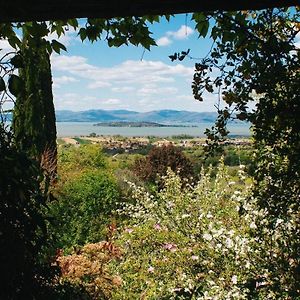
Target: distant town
{"points": [[120, 144]]}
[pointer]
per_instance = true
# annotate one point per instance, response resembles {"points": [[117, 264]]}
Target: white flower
{"points": [[234, 279], [207, 236], [184, 216], [229, 243]]}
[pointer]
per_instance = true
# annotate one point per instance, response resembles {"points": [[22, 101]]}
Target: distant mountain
{"points": [[159, 116], [137, 124]]}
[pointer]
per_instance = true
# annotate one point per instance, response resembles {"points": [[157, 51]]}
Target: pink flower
{"points": [[157, 227], [170, 246], [128, 230], [151, 269]]}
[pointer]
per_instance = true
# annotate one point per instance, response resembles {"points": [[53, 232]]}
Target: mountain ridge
{"points": [[166, 116]]}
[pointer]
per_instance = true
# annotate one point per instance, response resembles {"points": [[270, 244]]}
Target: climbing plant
{"points": [[254, 67]]}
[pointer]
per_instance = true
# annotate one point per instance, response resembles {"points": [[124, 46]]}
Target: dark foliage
{"points": [[33, 115], [27, 270], [159, 159], [22, 224]]}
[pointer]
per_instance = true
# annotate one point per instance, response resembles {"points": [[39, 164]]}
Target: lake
{"points": [[65, 129]]}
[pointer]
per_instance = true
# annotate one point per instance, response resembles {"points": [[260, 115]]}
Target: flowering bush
{"points": [[210, 240], [87, 268], [207, 240], [187, 241]]}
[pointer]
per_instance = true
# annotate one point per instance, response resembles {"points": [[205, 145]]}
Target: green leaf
{"points": [[199, 17], [37, 29], [15, 84], [57, 46], [73, 23], [17, 61], [82, 33], [49, 47], [14, 41], [2, 84], [202, 28], [93, 33]]}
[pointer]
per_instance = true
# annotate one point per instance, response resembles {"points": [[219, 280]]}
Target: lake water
{"points": [[66, 129]]}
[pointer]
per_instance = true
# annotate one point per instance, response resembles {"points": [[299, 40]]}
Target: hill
{"points": [[159, 116]]}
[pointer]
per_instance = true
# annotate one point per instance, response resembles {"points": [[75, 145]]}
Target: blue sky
{"points": [[94, 76]]}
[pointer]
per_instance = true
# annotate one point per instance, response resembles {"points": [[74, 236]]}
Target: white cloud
{"points": [[297, 40], [98, 84], [163, 41], [66, 79], [148, 104], [78, 102], [143, 85], [59, 81], [67, 39], [111, 101], [185, 97], [182, 33], [123, 89], [5, 46], [188, 102], [73, 101], [129, 72], [148, 90]]}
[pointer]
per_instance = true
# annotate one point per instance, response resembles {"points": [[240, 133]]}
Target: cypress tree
{"points": [[34, 116]]}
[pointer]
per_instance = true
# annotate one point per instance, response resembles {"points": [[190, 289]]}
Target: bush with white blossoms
{"points": [[211, 240], [189, 241]]}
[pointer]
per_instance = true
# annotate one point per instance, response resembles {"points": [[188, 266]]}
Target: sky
{"points": [[95, 76]]}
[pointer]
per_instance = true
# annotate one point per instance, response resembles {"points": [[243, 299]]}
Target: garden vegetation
{"points": [[81, 231]]}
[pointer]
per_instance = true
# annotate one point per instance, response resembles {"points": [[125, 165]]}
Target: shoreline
{"points": [[75, 129]]}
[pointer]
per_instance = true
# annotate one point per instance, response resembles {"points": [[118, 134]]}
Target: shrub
{"points": [[159, 159], [87, 268], [77, 158], [186, 242], [22, 224], [211, 240], [83, 208]]}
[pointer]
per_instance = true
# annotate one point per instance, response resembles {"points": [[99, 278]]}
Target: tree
{"points": [[34, 117], [35, 137], [159, 159], [257, 61]]}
